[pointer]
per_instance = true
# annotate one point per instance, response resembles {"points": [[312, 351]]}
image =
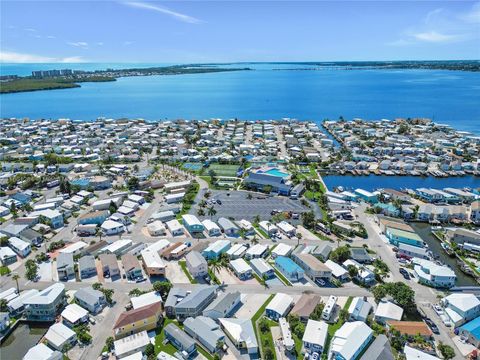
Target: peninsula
{"points": [[64, 79]]}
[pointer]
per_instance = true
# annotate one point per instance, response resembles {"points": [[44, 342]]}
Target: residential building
{"points": [[152, 262], [338, 272], [65, 266], [206, 331], [461, 308], [228, 227], [42, 352], [214, 250], [305, 306], [22, 248], [241, 269], [7, 256], [196, 264], [87, 267], [133, 270], [359, 309], [256, 251], [134, 321], [149, 298], [45, 305], [130, 345], [175, 295], [110, 227], [261, 181], [241, 333], [262, 268], [396, 237], [74, 315], [287, 229], [211, 228], [60, 336], [471, 332], [109, 265], [387, 311], [289, 269], [223, 306], [315, 336], [194, 303], [90, 299], [432, 274], [179, 339], [313, 267], [379, 349], [94, 218], [364, 274], [16, 305], [350, 340], [415, 354], [192, 224], [279, 306]]}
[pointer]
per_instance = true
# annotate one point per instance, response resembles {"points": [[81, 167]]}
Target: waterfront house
{"points": [[16, 304], [289, 269], [87, 267], [7, 256], [223, 306], [315, 336], [396, 236], [211, 228], [109, 265], [90, 299], [241, 269], [192, 224], [144, 318], [367, 196], [262, 268], [350, 340], [461, 308], [432, 274], [411, 251], [359, 309], [279, 306], [461, 236], [42, 352], [228, 227], [214, 250], [386, 311], [241, 333], [74, 315], [128, 346], [65, 266], [22, 248], [196, 264], [475, 212], [45, 305], [206, 331], [194, 303], [313, 267], [60, 336], [183, 342]]}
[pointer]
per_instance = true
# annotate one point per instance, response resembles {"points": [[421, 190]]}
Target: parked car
{"points": [[432, 326]]}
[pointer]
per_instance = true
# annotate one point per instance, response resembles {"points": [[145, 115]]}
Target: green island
{"points": [[30, 83]]}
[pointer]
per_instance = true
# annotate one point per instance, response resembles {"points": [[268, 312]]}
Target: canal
{"points": [[424, 231], [372, 182], [21, 340]]}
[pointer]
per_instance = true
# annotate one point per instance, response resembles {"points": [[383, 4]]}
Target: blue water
{"points": [[373, 182], [271, 91]]}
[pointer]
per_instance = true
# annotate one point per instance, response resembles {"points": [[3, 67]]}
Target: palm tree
{"points": [[299, 237], [99, 233], [215, 265], [15, 278], [211, 211]]}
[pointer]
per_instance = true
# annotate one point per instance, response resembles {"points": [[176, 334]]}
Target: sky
{"points": [[236, 31]]}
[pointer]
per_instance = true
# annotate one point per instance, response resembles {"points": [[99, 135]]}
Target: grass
{"points": [[266, 338], [282, 277], [160, 337], [261, 232], [255, 319], [213, 277], [470, 265], [183, 265], [4, 270], [332, 328], [298, 346]]}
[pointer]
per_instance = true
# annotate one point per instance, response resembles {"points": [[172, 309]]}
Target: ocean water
{"points": [[270, 91]]}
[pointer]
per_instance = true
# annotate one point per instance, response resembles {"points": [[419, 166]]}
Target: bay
{"points": [[270, 91]]}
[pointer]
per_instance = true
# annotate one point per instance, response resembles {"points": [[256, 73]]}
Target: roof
{"points": [[131, 316], [241, 330], [73, 313], [312, 262], [226, 224], [42, 352], [88, 295], [174, 295], [306, 304], [196, 297], [473, 327], [64, 260], [411, 327], [86, 262], [282, 249], [194, 258], [218, 246], [205, 328], [315, 332], [130, 262], [337, 270], [130, 343], [180, 336], [190, 220], [359, 307], [414, 354], [223, 302], [280, 303], [48, 295], [287, 264], [405, 234], [149, 298], [387, 309], [463, 302], [17, 302], [379, 350], [349, 338], [260, 265], [58, 334], [152, 259]]}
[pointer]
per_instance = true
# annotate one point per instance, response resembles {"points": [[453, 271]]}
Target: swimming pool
{"points": [[276, 172]]}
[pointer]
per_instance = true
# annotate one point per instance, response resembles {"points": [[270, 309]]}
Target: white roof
{"points": [[18, 301], [349, 338], [18, 243], [389, 310], [73, 313], [240, 266], [241, 330], [110, 224], [6, 252], [48, 295], [316, 332], [189, 220], [280, 303], [135, 356], [217, 245], [236, 250], [453, 315], [146, 299], [434, 269], [58, 334], [414, 354], [256, 250], [156, 226], [463, 302], [70, 249], [152, 259], [173, 225], [282, 249], [164, 356], [42, 352], [131, 343], [210, 225], [118, 245], [337, 270], [9, 294], [285, 226], [158, 245]]}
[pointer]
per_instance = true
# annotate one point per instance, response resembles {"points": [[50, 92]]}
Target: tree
{"points": [[65, 187], [150, 349], [308, 220], [352, 271], [446, 351], [340, 254], [3, 305], [15, 278], [263, 326], [317, 312], [112, 207], [163, 287], [109, 343], [211, 211], [132, 183], [379, 292], [268, 354], [32, 270]]}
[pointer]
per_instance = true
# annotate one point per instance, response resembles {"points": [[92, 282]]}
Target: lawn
{"points": [[4, 270], [255, 319], [159, 346], [183, 265], [266, 338], [224, 170], [332, 328], [281, 277], [261, 232]]}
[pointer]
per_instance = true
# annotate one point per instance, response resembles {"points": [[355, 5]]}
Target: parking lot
{"points": [[238, 206], [228, 277]]}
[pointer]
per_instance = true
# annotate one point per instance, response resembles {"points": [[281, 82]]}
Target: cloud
{"points": [[163, 10], [51, 37], [15, 57], [99, 43], [30, 30], [435, 37], [80, 44], [127, 43], [472, 16]]}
